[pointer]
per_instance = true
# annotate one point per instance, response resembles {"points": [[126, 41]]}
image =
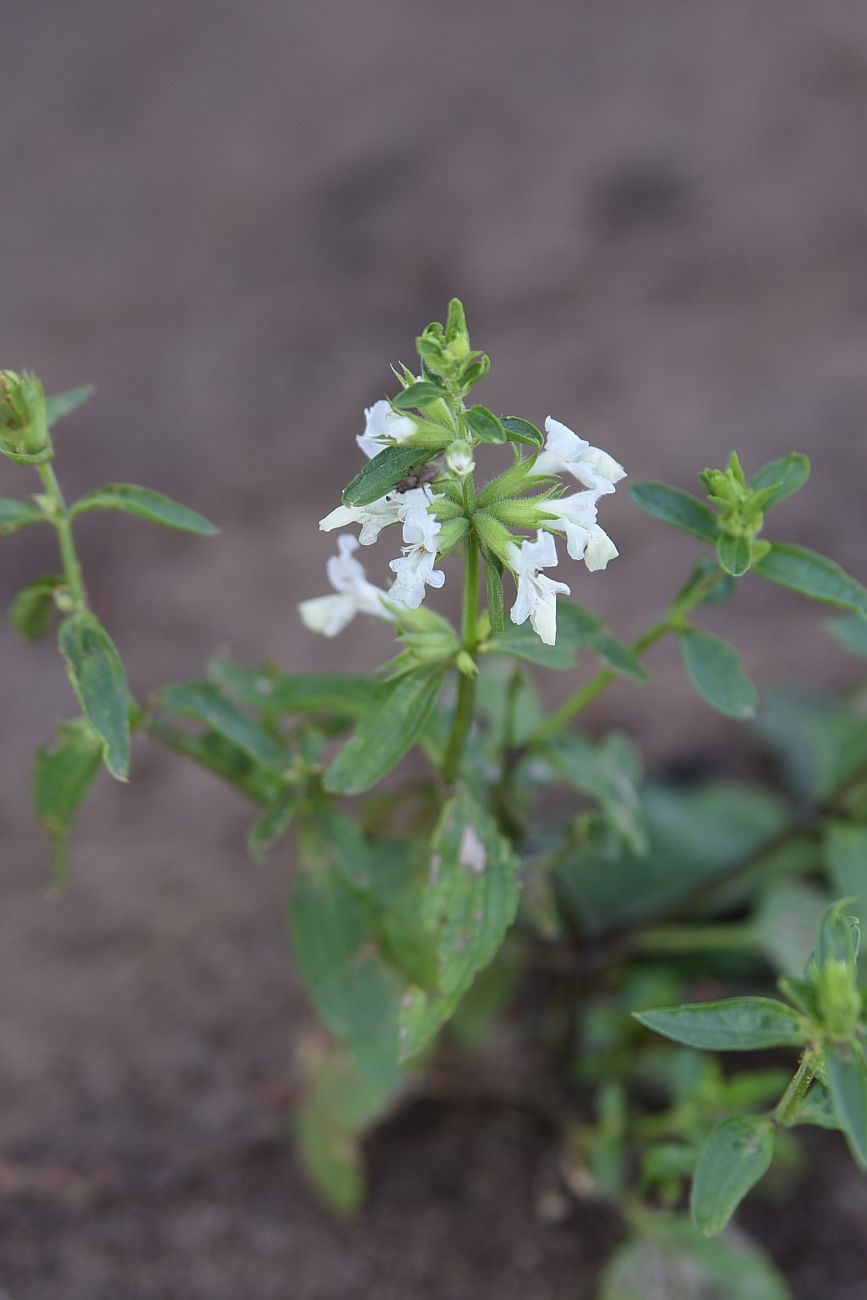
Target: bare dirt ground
{"points": [[231, 218]]}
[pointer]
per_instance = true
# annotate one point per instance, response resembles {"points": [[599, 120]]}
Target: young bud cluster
{"points": [[23, 422]]}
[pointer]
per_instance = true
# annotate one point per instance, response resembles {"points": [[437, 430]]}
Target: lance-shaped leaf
{"points": [[353, 990], [714, 667], [734, 554], [684, 1265], [812, 575], [469, 903], [145, 504], [390, 727], [62, 777], [99, 681], [18, 514], [522, 431], [785, 476], [845, 856], [609, 773], [732, 1025], [274, 693], [677, 509], [421, 393], [206, 703], [61, 404], [384, 472], [846, 1071], [273, 824], [32, 608], [737, 1154], [485, 424]]}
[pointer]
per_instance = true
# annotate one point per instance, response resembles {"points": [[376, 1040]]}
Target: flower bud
{"points": [[459, 458], [23, 423], [839, 1000]]}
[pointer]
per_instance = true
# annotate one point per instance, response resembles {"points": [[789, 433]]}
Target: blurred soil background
{"points": [[231, 218]]}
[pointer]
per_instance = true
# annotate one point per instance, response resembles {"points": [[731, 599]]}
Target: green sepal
{"points": [[97, 676]]}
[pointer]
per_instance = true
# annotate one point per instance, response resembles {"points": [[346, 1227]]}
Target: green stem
{"points": [[671, 939], [466, 705], [674, 619], [796, 1092], [62, 522]]}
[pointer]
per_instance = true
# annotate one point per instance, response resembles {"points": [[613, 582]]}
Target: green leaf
{"points": [[818, 1108], [786, 476], [715, 670], [469, 903], [353, 990], [495, 593], [272, 825], [61, 404], [145, 504], [846, 1070], [839, 936], [820, 742], [340, 1104], [618, 657], [61, 778], [732, 1025], [206, 703], [99, 681], [786, 922], [850, 633], [384, 472], [734, 554], [521, 642], [485, 424], [276, 694], [684, 1265], [737, 1154], [18, 514], [420, 394], [812, 575], [677, 509], [696, 836], [33, 608], [845, 856], [608, 773], [518, 430], [389, 728]]}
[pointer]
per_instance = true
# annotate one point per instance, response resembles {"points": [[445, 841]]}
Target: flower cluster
{"points": [[421, 450]]}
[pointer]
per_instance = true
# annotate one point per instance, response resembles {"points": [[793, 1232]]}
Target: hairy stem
{"points": [[791, 1099], [60, 518], [466, 705]]}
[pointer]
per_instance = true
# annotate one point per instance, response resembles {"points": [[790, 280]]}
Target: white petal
{"points": [[327, 614], [600, 549]]}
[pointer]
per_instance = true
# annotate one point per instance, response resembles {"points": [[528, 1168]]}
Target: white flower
{"points": [[355, 595], [415, 570], [415, 567], [565, 452], [459, 458], [585, 540], [373, 518], [537, 594], [382, 426]]}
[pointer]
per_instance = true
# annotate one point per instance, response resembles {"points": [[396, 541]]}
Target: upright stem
{"points": [[466, 704], [60, 518], [796, 1091]]}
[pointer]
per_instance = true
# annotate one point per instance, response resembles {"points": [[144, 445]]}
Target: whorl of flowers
{"points": [[422, 449]]}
